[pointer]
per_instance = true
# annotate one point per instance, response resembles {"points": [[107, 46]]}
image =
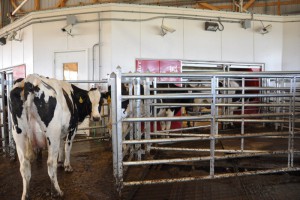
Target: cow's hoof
{"points": [[68, 168], [60, 164], [57, 195]]}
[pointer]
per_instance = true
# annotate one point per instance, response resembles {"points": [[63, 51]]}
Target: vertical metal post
{"points": [[284, 100], [116, 104], [7, 120], [213, 126], [147, 111], [277, 109], [243, 112], [291, 122], [131, 112], [137, 114], [155, 108], [2, 112]]}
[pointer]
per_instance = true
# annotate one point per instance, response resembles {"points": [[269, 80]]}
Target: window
{"points": [[70, 71]]}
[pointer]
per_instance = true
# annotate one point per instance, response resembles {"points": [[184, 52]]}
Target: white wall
{"points": [[291, 47], [48, 38], [18, 52], [121, 42]]}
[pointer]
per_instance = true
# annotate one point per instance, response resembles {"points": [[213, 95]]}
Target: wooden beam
{"points": [[262, 4], [278, 8], [248, 4], [61, 3], [37, 5], [208, 6], [13, 3]]}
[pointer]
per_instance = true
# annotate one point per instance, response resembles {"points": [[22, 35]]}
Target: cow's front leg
{"points": [[162, 113], [68, 147]]}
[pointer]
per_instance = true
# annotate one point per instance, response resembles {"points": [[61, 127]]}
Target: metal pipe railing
{"points": [[278, 102]]}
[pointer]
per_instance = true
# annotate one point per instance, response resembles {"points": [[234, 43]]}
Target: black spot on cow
{"points": [[18, 80], [100, 104], [29, 88], [49, 142], [74, 115], [84, 106], [45, 109], [17, 108]]}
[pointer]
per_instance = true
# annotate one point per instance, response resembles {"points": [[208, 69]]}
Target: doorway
{"points": [[71, 65]]}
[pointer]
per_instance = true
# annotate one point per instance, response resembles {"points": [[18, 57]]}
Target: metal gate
{"points": [[7, 145], [277, 108]]}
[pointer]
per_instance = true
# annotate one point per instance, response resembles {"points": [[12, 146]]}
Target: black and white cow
{"points": [[161, 112], [54, 107], [171, 111]]}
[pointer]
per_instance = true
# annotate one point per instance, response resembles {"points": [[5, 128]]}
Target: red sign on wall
{"points": [[163, 67], [159, 66], [19, 72]]}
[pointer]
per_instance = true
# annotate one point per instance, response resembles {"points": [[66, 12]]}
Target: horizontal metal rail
{"points": [[196, 137], [91, 127], [273, 74], [184, 129], [216, 176], [208, 150], [222, 104], [187, 118], [86, 81], [91, 138], [221, 89], [204, 158], [200, 95]]}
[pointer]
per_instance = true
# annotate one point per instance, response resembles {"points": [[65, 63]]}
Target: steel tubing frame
{"points": [[141, 143], [219, 176]]}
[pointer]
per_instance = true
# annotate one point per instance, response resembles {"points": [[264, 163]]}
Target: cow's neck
{"points": [[82, 101]]}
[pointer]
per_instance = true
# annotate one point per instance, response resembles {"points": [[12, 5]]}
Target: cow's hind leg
{"points": [[68, 147], [24, 151], [169, 113], [53, 149], [61, 154]]}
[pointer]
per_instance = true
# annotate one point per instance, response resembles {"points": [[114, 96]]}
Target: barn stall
{"points": [[95, 43]]}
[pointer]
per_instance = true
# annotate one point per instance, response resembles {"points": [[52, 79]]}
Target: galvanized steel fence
{"points": [[274, 98]]}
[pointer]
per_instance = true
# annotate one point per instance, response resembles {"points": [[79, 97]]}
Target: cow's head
{"points": [[96, 104]]}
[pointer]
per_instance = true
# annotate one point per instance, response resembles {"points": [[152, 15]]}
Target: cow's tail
{"points": [[29, 151], [35, 135]]}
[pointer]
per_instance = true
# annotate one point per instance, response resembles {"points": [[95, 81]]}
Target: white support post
{"points": [[116, 102], [137, 114], [213, 128]]}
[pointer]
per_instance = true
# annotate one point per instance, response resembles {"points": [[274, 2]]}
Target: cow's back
{"points": [[39, 104]]}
